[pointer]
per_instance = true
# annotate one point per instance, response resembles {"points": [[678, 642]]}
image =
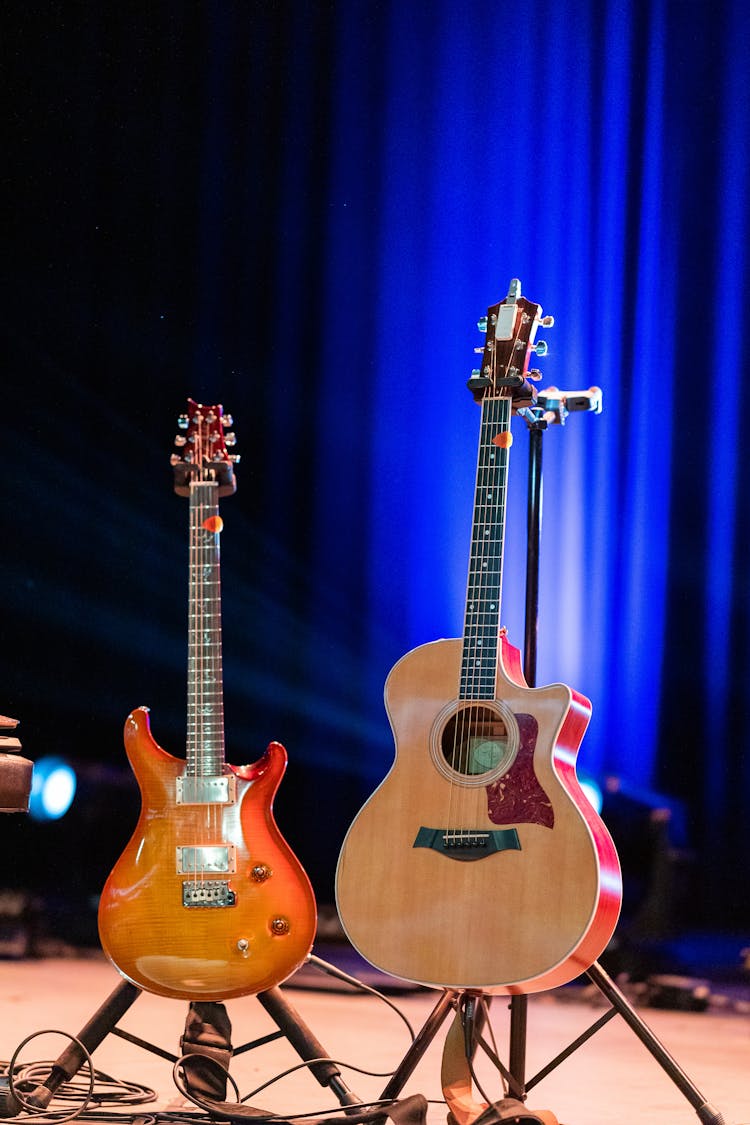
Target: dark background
{"points": [[300, 210]]}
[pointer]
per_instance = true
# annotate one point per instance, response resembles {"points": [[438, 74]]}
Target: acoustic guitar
{"points": [[479, 863], [207, 901]]}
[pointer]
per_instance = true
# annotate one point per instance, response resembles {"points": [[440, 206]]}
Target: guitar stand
{"points": [[551, 407], [105, 1020]]}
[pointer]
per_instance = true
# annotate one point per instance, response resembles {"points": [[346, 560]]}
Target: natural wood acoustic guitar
{"points": [[479, 863], [207, 901]]}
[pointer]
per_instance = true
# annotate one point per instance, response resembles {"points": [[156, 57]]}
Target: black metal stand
{"points": [[105, 1020], [552, 408]]}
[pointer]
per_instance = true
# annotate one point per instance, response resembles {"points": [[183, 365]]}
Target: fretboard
{"points": [[483, 590], [205, 701]]}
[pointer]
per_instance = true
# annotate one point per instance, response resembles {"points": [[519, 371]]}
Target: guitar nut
{"points": [[280, 926]]}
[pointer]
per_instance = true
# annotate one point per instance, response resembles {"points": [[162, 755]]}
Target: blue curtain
{"points": [[301, 210]]}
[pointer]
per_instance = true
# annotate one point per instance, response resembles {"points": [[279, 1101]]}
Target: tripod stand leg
{"points": [[420, 1045], [91, 1035], [707, 1113], [517, 1048], [289, 1021]]}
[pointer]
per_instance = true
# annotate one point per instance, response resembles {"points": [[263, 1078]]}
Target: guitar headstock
{"points": [[202, 444], [511, 327]]}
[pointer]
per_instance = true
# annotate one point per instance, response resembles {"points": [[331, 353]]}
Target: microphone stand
{"points": [[552, 407]]}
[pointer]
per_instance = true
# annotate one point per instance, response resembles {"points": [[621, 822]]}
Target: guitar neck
{"points": [[484, 586], [205, 723]]}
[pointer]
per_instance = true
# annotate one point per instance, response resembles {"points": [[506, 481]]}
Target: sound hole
{"points": [[475, 741]]}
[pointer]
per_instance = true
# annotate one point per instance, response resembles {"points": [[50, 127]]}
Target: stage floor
{"points": [[611, 1079]]}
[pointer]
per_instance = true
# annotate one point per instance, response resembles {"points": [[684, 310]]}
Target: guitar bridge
{"points": [[208, 893], [467, 843]]}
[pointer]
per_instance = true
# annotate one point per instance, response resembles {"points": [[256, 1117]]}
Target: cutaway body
{"points": [[207, 901], [513, 885]]}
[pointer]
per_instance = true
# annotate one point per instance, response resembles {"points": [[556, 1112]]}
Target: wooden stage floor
{"points": [[611, 1079]]}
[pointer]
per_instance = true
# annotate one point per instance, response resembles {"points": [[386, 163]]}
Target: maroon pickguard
{"points": [[517, 797]]}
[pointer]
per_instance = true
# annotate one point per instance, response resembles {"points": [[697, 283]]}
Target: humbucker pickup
{"points": [[217, 790], [217, 859]]}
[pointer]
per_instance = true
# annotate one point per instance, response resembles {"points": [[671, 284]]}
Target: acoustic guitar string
{"points": [[472, 718], [462, 725], [477, 721]]}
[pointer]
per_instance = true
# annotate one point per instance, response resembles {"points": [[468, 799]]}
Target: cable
{"points": [[29, 1080], [206, 1103], [334, 971]]}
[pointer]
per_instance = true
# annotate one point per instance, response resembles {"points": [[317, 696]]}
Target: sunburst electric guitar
{"points": [[479, 863], [207, 901]]}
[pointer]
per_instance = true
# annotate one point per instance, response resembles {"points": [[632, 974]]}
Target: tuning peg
{"points": [[230, 438], [482, 324], [235, 458], [534, 374], [175, 459], [180, 439], [183, 421], [541, 347], [227, 420], [547, 321]]}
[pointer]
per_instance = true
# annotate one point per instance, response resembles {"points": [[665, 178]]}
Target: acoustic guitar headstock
{"points": [[202, 445], [511, 327]]}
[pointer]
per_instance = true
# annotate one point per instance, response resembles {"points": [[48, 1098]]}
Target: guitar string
{"points": [[462, 723], [197, 627], [483, 674], [462, 806], [214, 736], [211, 711], [476, 721], [491, 526], [202, 660]]}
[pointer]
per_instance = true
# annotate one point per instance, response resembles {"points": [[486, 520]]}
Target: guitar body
{"points": [[205, 950], [530, 915]]}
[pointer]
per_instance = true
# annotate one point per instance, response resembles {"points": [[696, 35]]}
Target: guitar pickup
{"points": [[217, 790], [211, 859]]}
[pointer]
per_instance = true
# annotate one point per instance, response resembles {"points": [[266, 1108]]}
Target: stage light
{"points": [[52, 789], [593, 792]]}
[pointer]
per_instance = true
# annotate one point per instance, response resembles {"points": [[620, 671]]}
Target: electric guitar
{"points": [[207, 901], [479, 863]]}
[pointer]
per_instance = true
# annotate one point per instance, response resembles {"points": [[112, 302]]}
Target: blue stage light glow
{"points": [[593, 792], [53, 788]]}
